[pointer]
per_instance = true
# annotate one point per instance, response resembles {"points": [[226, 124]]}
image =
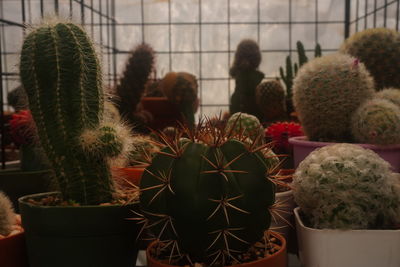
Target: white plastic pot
{"points": [[347, 248]]}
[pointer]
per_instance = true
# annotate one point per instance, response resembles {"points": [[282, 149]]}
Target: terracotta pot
{"points": [[279, 259], [130, 175], [13, 251], [164, 112]]}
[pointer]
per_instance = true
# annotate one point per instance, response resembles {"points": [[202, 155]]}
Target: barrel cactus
{"points": [[208, 199], [270, 99], [345, 186], [326, 92], [377, 121], [7, 215], [379, 50], [65, 93], [391, 94], [246, 125]]}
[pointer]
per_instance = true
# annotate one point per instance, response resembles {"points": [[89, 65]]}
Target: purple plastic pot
{"points": [[302, 147]]}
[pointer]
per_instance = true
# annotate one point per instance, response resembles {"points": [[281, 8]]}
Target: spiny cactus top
{"points": [[62, 77], [246, 125], [326, 92], [379, 50], [7, 215], [348, 187], [247, 57], [208, 195]]}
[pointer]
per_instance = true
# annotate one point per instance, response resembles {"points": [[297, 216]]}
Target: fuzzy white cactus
{"points": [[7, 215]]}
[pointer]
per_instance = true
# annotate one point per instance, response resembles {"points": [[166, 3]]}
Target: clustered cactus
{"points": [[345, 186], [215, 184], [246, 125], [270, 99], [379, 50], [326, 92], [7, 215], [62, 77]]}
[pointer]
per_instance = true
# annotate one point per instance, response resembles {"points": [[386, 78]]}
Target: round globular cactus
{"points": [[245, 125], [326, 92], [391, 94], [345, 186], [377, 121], [247, 57], [65, 93], [218, 186], [379, 50], [270, 99], [7, 215]]}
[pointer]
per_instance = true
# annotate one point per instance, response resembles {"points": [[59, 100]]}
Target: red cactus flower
{"points": [[21, 127], [281, 131]]}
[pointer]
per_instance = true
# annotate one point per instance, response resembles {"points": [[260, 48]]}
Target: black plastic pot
{"points": [[83, 236]]}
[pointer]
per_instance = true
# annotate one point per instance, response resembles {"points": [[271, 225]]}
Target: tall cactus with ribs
{"points": [[62, 76], [208, 197]]}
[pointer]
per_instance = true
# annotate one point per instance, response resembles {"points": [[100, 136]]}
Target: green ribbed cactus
{"points": [[62, 77], [208, 198], [379, 50], [391, 94], [348, 187], [271, 100], [246, 125], [7, 215], [326, 92], [377, 121]]}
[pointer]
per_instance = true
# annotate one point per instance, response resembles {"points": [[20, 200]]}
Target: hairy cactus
{"points": [[217, 186], [62, 77], [270, 99], [326, 92], [246, 125], [247, 77], [377, 121], [379, 50], [181, 89], [391, 94], [132, 84], [345, 186], [7, 215]]}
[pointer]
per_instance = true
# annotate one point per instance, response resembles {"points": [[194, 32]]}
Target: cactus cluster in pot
{"points": [[207, 196], [345, 186], [62, 76]]}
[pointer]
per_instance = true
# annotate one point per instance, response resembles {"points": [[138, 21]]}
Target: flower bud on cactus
{"points": [[7, 215], [246, 125], [348, 187], [391, 94], [326, 92], [270, 99], [377, 121], [379, 50]]}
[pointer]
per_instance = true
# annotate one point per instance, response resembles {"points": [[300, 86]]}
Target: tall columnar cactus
{"points": [[62, 77], [181, 88], [379, 50], [391, 94], [377, 121], [246, 125], [7, 215], [326, 92], [132, 84], [348, 187], [208, 198], [247, 77], [270, 98]]}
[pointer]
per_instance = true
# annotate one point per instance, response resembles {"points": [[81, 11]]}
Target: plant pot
{"points": [[82, 236], [278, 259], [130, 175], [13, 251], [347, 248], [165, 113], [302, 147], [17, 183]]}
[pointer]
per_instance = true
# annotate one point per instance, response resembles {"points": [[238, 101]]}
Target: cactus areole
{"points": [[207, 196]]}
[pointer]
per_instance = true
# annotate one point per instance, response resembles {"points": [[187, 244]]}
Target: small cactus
{"points": [[345, 186], [270, 99], [7, 215], [377, 121], [245, 125], [143, 150], [326, 92], [391, 94]]}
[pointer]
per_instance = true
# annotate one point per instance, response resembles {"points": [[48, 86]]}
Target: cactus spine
{"points": [[217, 186], [62, 77], [7, 215]]}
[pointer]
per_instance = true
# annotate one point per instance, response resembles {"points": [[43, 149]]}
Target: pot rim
{"points": [[21, 233]]}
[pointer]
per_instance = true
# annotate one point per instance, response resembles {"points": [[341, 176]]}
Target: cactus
{"points": [[7, 215], [62, 77], [391, 94], [132, 84], [209, 198], [270, 99], [377, 121], [246, 125], [181, 89], [291, 71], [379, 50], [143, 149], [17, 98], [326, 92], [345, 186], [247, 77]]}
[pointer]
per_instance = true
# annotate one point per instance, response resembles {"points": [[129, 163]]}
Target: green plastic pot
{"points": [[83, 236]]}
